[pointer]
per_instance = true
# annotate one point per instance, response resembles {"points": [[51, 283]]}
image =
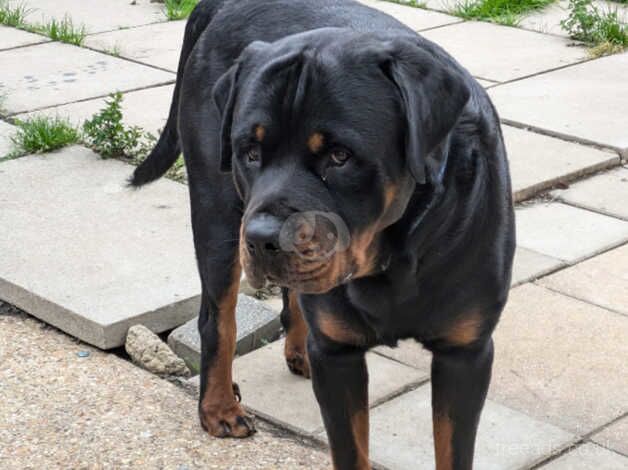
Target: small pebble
{"points": [[83, 354]]}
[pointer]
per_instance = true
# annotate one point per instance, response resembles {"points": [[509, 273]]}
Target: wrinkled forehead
{"points": [[317, 89]]}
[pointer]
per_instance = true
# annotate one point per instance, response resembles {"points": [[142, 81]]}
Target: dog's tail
{"points": [[168, 147]]}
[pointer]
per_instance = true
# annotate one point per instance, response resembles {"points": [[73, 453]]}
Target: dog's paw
{"points": [[227, 419], [298, 363]]}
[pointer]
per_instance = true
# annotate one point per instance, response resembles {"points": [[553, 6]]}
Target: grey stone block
{"points": [[257, 325], [587, 457], [6, 132], [156, 44], [606, 193], [583, 101], [81, 251], [401, 435], [270, 391], [11, 37], [99, 16], [567, 233], [538, 162], [50, 74], [501, 53]]}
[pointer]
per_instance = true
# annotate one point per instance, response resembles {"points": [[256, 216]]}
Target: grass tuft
{"points": [[179, 9], [506, 12], [13, 15], [65, 31], [602, 30], [43, 134]]}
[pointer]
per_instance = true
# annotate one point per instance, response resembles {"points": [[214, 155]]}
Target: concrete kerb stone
{"points": [[257, 325]]}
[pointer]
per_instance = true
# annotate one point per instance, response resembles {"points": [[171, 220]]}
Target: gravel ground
{"points": [[61, 410]]}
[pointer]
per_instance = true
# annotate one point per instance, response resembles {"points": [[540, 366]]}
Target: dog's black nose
{"points": [[262, 234]]}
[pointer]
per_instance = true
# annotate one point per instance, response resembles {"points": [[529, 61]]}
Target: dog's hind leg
{"points": [[460, 379], [295, 348]]}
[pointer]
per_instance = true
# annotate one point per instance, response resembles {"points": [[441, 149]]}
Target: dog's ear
{"points": [[433, 95], [224, 95]]}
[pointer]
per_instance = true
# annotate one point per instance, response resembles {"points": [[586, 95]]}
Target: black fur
{"points": [[415, 124]]}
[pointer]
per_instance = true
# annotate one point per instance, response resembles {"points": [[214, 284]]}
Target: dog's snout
{"points": [[262, 234]]}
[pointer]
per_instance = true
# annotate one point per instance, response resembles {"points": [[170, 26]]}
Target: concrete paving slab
{"points": [[90, 256], [6, 132], [537, 162], [157, 44], [519, 53], [586, 457], [602, 280], [271, 391], [401, 435], [614, 436], [560, 360], [12, 37], [257, 325], [417, 19], [410, 353], [62, 410], [567, 233], [582, 102], [529, 265], [606, 193], [146, 108], [98, 16], [548, 20], [51, 74]]}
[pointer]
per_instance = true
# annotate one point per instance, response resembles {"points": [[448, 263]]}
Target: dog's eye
{"points": [[339, 157], [253, 154]]}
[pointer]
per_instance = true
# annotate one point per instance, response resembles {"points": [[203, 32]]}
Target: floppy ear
{"points": [[433, 96], [224, 94]]}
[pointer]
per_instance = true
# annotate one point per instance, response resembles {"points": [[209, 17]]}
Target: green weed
{"points": [[62, 30], [111, 138], [43, 134], [507, 12], [602, 30], [13, 15], [179, 9]]}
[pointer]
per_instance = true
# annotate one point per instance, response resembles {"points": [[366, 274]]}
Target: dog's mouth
{"points": [[314, 278]]}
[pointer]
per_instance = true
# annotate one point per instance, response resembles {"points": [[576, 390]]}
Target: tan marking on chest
{"points": [[337, 330], [465, 330]]}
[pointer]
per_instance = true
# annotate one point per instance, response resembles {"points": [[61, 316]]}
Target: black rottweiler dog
{"points": [[336, 153]]}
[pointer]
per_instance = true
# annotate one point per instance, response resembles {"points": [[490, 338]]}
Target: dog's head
{"points": [[327, 134]]}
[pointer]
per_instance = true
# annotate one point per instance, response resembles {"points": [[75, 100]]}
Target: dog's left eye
{"points": [[339, 157]]}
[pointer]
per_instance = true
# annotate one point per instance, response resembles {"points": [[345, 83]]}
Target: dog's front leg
{"points": [[340, 381], [460, 379], [219, 409]]}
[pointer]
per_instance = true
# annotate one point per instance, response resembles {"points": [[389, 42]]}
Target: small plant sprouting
{"points": [[602, 30], [107, 135], [41, 134], [179, 9]]}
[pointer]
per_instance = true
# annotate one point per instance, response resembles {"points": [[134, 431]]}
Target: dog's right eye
{"points": [[253, 154]]}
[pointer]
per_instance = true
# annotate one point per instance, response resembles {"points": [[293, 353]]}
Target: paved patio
{"points": [[83, 253]]}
